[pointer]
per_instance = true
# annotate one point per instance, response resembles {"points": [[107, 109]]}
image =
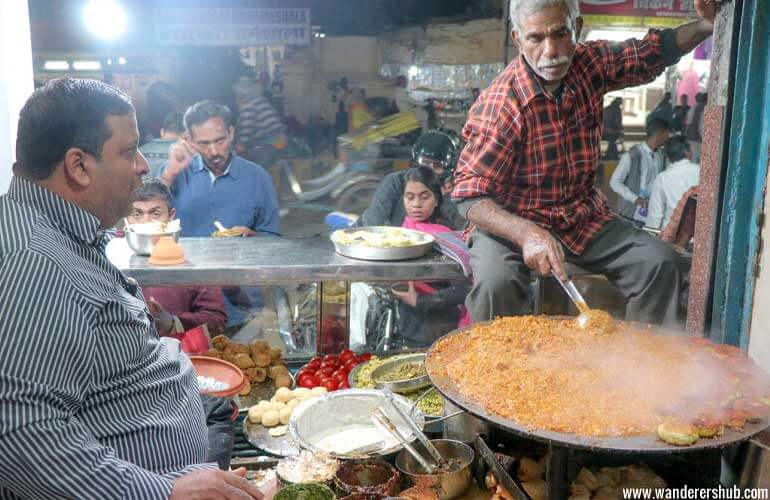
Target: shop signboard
{"points": [[237, 27], [639, 8]]}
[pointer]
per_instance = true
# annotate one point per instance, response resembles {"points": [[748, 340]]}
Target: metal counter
{"points": [[265, 261]]}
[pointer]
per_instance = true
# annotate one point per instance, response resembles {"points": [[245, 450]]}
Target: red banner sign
{"points": [[638, 8]]}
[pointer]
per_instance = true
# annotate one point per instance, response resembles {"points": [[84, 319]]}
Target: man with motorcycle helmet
{"points": [[437, 149]]}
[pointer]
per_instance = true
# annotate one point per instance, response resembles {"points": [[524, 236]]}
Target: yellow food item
{"points": [[391, 237], [275, 371], [598, 321], [246, 389], [275, 353], [284, 394], [285, 414], [271, 418], [262, 360], [242, 361], [677, 432], [319, 391], [283, 381], [293, 403], [255, 414], [530, 470]]}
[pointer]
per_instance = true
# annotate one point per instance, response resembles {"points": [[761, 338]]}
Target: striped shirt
{"points": [[93, 403], [258, 123]]}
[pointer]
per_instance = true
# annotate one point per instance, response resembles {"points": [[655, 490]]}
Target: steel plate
{"points": [[259, 437], [632, 444], [405, 385], [362, 252]]}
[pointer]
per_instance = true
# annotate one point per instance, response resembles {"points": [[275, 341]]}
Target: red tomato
{"points": [[325, 371], [351, 364], [330, 364], [315, 358], [308, 380], [331, 358], [330, 384], [340, 375], [303, 371], [366, 356], [314, 364], [346, 355], [344, 385]]}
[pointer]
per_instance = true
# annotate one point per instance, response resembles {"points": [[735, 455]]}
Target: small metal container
{"points": [[448, 485], [143, 244], [367, 477], [406, 385]]}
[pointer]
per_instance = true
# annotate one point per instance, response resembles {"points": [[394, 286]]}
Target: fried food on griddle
{"points": [[548, 374], [598, 321], [220, 342], [678, 432]]}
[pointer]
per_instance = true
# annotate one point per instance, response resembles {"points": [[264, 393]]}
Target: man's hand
{"points": [[164, 321], [409, 297], [542, 253], [706, 9], [179, 159], [244, 231], [214, 485], [641, 202]]}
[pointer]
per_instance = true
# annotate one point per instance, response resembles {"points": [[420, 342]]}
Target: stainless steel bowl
{"points": [[317, 418], [448, 485], [405, 385], [143, 244]]}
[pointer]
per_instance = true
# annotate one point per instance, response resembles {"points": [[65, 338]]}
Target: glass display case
{"points": [[305, 284]]}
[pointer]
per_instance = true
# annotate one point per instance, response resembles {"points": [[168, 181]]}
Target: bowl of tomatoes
{"points": [[330, 371]]}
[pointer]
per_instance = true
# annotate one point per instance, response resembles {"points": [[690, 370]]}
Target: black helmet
{"points": [[437, 146]]}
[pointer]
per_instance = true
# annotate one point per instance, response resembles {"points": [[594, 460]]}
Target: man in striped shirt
{"points": [[93, 403]]}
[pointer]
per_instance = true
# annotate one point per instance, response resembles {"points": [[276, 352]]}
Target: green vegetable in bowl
{"points": [[432, 404], [404, 372], [305, 491]]}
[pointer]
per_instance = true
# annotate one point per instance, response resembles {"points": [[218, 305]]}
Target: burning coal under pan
{"points": [[645, 444]]}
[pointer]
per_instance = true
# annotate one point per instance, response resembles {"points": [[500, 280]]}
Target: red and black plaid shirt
{"points": [[536, 155]]}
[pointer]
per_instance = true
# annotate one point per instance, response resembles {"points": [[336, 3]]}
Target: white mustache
{"points": [[547, 63]]}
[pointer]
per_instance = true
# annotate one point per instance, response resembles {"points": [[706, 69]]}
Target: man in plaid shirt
{"points": [[525, 180]]}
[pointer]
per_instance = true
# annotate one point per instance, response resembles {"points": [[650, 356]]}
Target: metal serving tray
{"points": [[364, 252]]}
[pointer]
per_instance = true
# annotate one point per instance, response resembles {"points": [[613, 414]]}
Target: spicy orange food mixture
{"points": [[549, 374]]}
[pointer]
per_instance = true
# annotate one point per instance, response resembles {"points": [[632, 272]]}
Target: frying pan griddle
{"points": [[630, 444]]}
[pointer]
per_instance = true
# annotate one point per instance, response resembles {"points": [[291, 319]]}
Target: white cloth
{"points": [[651, 162], [405, 102], [668, 189]]}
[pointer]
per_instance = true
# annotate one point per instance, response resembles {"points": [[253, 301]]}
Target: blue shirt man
{"points": [[242, 196], [217, 185]]}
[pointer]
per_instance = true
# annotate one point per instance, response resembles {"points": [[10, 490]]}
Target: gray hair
{"points": [[519, 7]]}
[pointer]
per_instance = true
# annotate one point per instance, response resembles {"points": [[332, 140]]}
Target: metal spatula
{"points": [[572, 292]]}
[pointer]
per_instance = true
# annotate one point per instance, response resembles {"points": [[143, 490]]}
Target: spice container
{"points": [[367, 477]]}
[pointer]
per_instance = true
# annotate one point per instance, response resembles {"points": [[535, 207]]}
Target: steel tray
{"points": [[406, 385], [363, 252]]}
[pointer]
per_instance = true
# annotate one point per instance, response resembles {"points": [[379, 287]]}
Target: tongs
{"points": [[571, 290], [379, 417], [434, 453]]}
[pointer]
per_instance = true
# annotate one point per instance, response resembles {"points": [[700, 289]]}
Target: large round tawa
{"points": [[636, 444], [424, 242]]}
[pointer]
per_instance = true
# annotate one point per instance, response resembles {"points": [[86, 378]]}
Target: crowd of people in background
{"points": [[653, 177]]}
